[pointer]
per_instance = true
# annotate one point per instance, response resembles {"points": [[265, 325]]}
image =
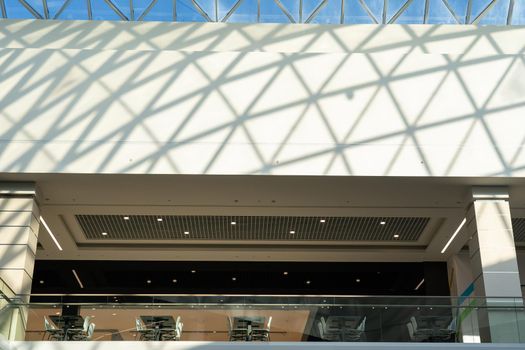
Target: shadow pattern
{"points": [[189, 111]]}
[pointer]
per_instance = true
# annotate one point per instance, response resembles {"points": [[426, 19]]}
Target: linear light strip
{"points": [[454, 235], [78, 279], [420, 284], [50, 233]]}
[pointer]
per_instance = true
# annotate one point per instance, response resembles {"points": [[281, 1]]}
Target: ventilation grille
{"points": [[518, 226], [273, 228]]}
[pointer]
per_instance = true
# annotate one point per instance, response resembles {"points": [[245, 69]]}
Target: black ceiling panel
{"points": [[271, 228], [180, 277], [518, 226]]}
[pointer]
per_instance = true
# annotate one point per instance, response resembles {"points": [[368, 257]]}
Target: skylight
{"points": [[498, 12]]}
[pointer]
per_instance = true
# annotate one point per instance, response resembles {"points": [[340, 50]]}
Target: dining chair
{"points": [[237, 333], [79, 333], [262, 334], [145, 332], [52, 331]]}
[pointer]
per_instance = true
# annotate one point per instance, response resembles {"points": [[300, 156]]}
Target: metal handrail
{"points": [[263, 295]]}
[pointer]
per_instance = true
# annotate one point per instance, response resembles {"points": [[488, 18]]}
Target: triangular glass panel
{"points": [[102, 11], [37, 6], [55, 6], [272, 13], [245, 13], [412, 14], [518, 13], [330, 13], [123, 6], [497, 15], [477, 7], [207, 6], [74, 10], [15, 9], [292, 6], [187, 12], [376, 7], [161, 10], [356, 14], [460, 8], [139, 6], [439, 14]]}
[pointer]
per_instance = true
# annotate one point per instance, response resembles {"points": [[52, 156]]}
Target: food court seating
{"points": [[341, 328], [85, 335], [144, 332], [52, 331], [433, 332], [262, 334], [236, 333]]}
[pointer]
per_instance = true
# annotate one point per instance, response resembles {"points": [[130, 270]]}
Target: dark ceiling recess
{"points": [[154, 227], [518, 226], [131, 277]]}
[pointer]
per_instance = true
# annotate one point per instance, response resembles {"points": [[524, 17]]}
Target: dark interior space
{"points": [[152, 277]]}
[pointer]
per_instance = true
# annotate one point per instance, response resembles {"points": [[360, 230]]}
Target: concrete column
{"points": [[494, 264], [19, 223]]}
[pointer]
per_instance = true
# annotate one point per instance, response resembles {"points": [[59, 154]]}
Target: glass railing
{"points": [[272, 318]]}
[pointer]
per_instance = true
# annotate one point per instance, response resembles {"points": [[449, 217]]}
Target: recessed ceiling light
{"points": [[285, 273], [396, 236], [148, 281], [174, 281], [234, 223], [104, 233], [126, 217], [193, 271], [41, 282], [382, 223], [322, 220], [186, 232], [292, 232], [358, 280], [308, 282], [234, 278], [159, 219]]}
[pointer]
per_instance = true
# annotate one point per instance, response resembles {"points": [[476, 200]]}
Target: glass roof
{"points": [[494, 12]]}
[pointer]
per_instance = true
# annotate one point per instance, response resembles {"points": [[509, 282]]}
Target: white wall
{"points": [[107, 97]]}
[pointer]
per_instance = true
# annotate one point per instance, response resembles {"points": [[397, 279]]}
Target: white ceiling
{"points": [[443, 200]]}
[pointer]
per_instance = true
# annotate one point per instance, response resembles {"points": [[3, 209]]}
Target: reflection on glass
{"points": [[276, 318]]}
